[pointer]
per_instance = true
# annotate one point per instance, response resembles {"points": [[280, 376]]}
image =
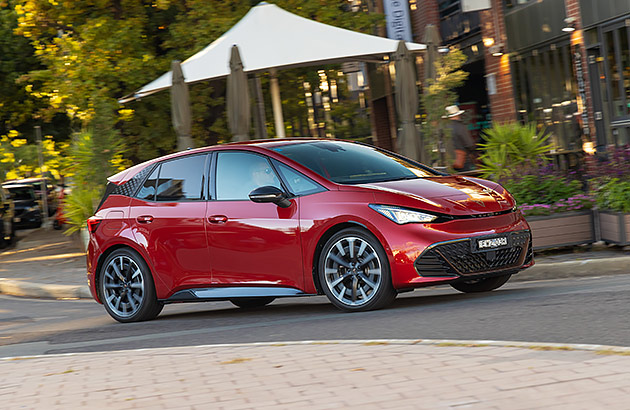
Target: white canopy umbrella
{"points": [[269, 37]]}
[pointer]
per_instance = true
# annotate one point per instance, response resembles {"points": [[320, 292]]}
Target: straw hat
{"points": [[452, 111]]}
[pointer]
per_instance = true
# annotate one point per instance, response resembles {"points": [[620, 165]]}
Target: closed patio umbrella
{"points": [[238, 108], [406, 101], [180, 108], [432, 40]]}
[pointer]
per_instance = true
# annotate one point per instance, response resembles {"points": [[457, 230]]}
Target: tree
{"points": [[96, 51], [440, 93]]}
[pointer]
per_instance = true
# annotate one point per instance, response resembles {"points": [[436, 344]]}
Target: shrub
{"points": [[509, 146], [545, 189], [614, 195]]}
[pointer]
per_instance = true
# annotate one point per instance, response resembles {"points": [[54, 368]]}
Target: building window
{"points": [[546, 92]]}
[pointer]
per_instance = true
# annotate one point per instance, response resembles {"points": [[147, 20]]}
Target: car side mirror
{"points": [[266, 194]]}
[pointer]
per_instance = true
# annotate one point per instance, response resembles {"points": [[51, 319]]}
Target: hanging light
{"points": [[569, 25], [496, 50]]}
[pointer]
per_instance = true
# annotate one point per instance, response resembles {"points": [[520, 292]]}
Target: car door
{"points": [[254, 244], [168, 215]]}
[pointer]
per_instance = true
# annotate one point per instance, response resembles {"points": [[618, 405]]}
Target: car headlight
{"points": [[402, 215]]}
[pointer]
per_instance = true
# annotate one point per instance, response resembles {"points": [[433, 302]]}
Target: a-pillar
{"points": [[498, 73]]}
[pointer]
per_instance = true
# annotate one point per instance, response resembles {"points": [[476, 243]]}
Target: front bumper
{"points": [[458, 258]]}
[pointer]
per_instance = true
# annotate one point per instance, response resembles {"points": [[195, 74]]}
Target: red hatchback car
{"points": [[251, 222]]}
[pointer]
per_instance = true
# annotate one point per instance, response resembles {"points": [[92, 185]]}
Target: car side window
{"points": [[147, 190], [298, 183], [239, 173], [181, 179]]}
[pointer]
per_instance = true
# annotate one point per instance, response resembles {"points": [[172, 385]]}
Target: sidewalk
{"points": [[47, 264], [44, 263], [397, 374]]}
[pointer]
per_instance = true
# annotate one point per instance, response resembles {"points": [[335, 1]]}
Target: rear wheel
{"points": [[354, 271], [249, 303], [127, 287], [481, 285]]}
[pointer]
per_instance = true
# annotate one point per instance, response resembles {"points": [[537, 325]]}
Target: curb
{"points": [[42, 290], [543, 347], [576, 268]]}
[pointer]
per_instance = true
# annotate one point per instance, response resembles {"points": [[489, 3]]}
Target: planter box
{"points": [[563, 229], [614, 227]]}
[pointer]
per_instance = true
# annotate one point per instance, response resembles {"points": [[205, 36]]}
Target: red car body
{"points": [[194, 249]]}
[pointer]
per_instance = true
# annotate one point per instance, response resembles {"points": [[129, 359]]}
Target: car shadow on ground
{"points": [[310, 306]]}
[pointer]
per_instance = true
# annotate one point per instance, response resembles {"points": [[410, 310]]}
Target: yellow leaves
{"points": [[13, 174], [7, 157], [125, 114], [162, 4], [18, 142]]}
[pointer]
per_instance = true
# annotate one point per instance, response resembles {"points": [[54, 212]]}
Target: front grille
{"points": [[457, 258], [530, 253]]}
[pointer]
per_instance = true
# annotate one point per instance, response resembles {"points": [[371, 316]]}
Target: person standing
{"points": [[462, 142]]}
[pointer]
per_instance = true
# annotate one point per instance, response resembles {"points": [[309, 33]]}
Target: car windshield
{"points": [[349, 163], [22, 193]]}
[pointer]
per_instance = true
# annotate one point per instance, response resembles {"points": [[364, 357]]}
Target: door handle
{"points": [[217, 219], [144, 219]]}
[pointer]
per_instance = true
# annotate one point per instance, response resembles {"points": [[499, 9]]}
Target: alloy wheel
{"points": [[353, 271], [123, 286]]}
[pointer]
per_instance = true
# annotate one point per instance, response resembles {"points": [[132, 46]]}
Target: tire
{"points": [[126, 287], [57, 225], [250, 303], [481, 285], [354, 271]]}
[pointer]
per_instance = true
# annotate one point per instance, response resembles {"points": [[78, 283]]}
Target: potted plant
{"points": [[611, 185], [557, 209]]}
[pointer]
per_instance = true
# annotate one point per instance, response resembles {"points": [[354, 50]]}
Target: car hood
{"points": [[453, 195]]}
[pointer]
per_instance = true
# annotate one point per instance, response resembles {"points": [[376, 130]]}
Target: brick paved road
{"points": [[366, 375]]}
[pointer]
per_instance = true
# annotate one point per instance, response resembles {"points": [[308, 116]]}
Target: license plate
{"points": [[17, 220], [487, 244]]}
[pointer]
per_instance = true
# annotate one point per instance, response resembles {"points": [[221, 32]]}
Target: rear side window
{"points": [[109, 189], [182, 179], [147, 190]]}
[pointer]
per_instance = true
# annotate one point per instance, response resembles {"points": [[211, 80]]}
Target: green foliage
{"points": [[438, 94], [547, 189], [90, 52], [614, 196], [510, 146], [79, 206], [19, 159], [94, 154]]}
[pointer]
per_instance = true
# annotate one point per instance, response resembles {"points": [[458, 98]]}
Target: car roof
{"points": [[266, 144], [9, 186]]}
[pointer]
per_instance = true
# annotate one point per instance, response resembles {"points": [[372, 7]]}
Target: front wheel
{"points": [[127, 288], [354, 271], [481, 285]]}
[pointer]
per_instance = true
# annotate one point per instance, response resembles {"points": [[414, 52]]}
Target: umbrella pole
{"points": [[259, 108], [276, 104]]}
